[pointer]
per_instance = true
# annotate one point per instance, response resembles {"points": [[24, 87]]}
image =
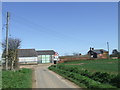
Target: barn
{"points": [[45, 56], [27, 56]]}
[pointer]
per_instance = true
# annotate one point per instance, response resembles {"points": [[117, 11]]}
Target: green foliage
{"points": [[116, 81], [79, 78], [17, 79], [102, 77], [103, 71]]}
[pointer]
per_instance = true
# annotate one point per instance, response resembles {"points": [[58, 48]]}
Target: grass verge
{"points": [[17, 79], [87, 79]]}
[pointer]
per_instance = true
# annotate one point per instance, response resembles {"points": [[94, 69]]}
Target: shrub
{"points": [[102, 77], [116, 81]]}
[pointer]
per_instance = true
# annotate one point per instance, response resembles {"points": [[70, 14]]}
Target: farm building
{"points": [[45, 56], [31, 56], [27, 56], [98, 53]]}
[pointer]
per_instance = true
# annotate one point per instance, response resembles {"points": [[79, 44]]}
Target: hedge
{"points": [[102, 77], [78, 78]]}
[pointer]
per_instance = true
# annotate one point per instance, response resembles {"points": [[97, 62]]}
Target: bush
{"points": [[102, 77], [116, 81]]}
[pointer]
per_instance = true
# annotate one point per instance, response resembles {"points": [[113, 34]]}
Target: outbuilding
{"points": [[27, 56], [45, 56]]}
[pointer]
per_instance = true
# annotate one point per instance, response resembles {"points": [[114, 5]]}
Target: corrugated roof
{"points": [[27, 53], [45, 52]]}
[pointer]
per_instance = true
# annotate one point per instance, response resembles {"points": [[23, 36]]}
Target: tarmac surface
{"points": [[44, 78]]}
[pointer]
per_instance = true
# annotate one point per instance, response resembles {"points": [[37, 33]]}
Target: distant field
{"points": [[110, 66]]}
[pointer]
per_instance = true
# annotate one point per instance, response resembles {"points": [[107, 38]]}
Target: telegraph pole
{"points": [[7, 25], [108, 49]]}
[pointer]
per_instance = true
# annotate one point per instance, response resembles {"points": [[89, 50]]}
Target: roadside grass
{"points": [[109, 66], [17, 79], [86, 79], [90, 73], [0, 78]]}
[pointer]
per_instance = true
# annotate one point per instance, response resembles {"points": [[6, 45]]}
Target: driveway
{"points": [[47, 79]]}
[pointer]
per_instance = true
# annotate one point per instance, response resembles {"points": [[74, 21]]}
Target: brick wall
{"points": [[73, 59]]}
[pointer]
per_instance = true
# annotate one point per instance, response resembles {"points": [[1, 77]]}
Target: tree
{"points": [[76, 54], [13, 45], [115, 53]]}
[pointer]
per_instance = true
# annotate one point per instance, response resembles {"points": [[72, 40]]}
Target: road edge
{"points": [[33, 78]]}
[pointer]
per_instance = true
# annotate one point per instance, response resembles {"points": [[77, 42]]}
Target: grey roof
{"points": [[45, 52], [99, 51], [27, 53]]}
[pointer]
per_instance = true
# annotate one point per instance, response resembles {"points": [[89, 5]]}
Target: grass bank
{"points": [[17, 79], [90, 73]]}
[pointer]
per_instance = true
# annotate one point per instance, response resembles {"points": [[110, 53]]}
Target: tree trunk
{"points": [[13, 59], [16, 61], [12, 65]]}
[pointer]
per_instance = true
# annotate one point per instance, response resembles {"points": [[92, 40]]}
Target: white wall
{"points": [[27, 59]]}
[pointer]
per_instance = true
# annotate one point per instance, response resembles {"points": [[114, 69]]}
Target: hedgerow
{"points": [[78, 78], [102, 77]]}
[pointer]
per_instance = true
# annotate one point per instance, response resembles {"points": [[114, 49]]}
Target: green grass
{"points": [[17, 79], [0, 79], [109, 66], [86, 79], [90, 73]]}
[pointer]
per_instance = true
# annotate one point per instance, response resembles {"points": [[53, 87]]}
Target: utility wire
{"points": [[33, 25], [44, 28]]}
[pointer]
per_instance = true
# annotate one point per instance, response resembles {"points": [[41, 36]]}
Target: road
{"points": [[48, 79]]}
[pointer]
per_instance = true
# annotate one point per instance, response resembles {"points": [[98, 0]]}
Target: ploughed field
{"points": [[90, 73]]}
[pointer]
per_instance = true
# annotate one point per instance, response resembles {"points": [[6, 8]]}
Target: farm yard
{"points": [[90, 73], [60, 45]]}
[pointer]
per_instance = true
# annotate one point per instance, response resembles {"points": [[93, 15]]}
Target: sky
{"points": [[66, 27]]}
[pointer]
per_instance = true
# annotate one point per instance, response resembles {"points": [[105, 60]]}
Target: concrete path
{"points": [[48, 79]]}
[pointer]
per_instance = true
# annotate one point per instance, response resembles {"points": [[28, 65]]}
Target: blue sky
{"points": [[66, 27]]}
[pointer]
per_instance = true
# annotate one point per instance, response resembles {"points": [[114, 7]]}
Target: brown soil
{"points": [[75, 64], [33, 78]]}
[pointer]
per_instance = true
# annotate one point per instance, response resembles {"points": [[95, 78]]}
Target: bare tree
{"points": [[75, 54], [13, 45]]}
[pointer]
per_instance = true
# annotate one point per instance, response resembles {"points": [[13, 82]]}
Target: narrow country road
{"points": [[48, 79]]}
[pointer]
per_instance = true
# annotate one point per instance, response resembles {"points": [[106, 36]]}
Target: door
{"points": [[45, 58]]}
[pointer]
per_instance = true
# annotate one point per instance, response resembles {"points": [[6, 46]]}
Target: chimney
{"points": [[92, 48]]}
